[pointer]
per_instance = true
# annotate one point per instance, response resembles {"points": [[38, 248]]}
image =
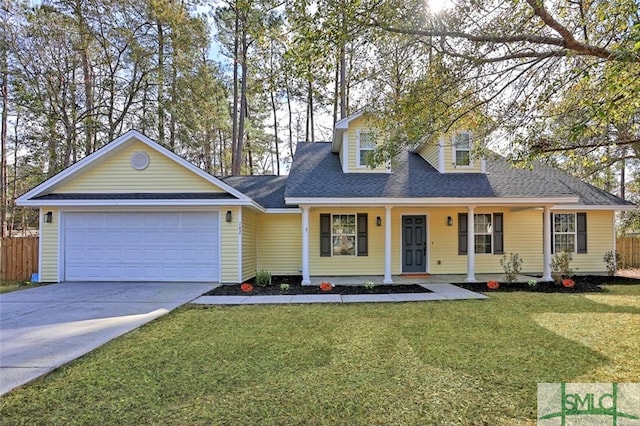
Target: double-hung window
{"points": [[488, 234], [344, 234], [366, 148], [462, 149], [564, 230], [483, 231], [569, 232]]}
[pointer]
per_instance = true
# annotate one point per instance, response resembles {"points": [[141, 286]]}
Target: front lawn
{"points": [[461, 362]]}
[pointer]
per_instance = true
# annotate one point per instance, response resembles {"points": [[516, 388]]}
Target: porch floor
{"points": [[417, 279]]}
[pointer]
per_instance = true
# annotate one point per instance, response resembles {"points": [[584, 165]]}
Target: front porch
{"points": [[417, 279], [415, 239]]}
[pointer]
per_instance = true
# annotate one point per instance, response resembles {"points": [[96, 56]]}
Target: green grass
{"points": [[463, 362], [11, 285]]}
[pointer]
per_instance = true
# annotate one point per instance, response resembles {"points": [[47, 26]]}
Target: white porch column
{"points": [[306, 278], [546, 242], [471, 247], [387, 245]]}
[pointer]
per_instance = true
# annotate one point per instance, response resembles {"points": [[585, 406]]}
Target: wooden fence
{"points": [[18, 258], [629, 250]]}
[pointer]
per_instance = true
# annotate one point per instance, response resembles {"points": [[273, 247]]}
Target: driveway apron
{"points": [[46, 327]]}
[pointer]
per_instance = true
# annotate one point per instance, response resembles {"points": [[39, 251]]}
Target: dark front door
{"points": [[414, 244]]}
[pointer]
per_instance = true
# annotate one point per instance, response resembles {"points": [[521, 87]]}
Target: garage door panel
{"points": [[150, 246]]}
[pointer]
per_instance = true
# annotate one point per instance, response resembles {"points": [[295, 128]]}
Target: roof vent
{"points": [[140, 160]]}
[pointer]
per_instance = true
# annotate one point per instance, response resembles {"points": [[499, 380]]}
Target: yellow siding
{"points": [[449, 167], [522, 235], [115, 174], [280, 243], [49, 247], [359, 123], [600, 235], [430, 152], [249, 243], [229, 238], [373, 264]]}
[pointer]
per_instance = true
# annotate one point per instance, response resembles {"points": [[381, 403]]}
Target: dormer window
{"points": [[462, 149], [366, 147]]}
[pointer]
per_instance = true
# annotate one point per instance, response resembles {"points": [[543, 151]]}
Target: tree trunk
{"points": [[275, 132], [14, 185], [172, 118], [249, 156], [85, 38], [343, 63], [208, 155], [343, 82], [290, 123], [311, 124], [234, 131], [160, 83], [4, 89], [222, 149], [336, 91], [237, 160]]}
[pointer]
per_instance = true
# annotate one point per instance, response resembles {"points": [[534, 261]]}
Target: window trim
{"points": [[497, 233], [361, 240], [359, 148], [489, 233], [455, 149], [354, 234], [580, 232]]}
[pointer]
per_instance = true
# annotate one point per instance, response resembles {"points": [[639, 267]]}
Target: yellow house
{"points": [[134, 211]]}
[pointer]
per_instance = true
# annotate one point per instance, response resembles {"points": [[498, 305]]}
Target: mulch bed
{"points": [[584, 284], [295, 288]]}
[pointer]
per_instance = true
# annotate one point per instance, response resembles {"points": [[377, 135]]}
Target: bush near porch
{"points": [[463, 362]]}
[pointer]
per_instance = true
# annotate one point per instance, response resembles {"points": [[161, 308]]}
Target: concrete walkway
{"points": [[438, 292], [43, 328]]}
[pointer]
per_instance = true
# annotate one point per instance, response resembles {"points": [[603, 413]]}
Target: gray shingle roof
{"points": [[544, 181], [268, 191], [317, 172]]}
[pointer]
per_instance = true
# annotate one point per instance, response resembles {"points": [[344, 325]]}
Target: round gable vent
{"points": [[140, 160]]}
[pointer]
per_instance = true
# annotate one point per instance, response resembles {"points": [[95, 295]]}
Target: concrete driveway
{"points": [[45, 327]]}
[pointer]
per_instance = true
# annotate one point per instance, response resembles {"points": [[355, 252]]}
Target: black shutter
{"points": [[498, 233], [553, 241], [581, 232], [325, 234], [363, 239], [462, 233]]}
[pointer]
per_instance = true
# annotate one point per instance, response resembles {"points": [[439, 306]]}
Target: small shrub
{"points": [[532, 283], [612, 261], [568, 283], [512, 266], [285, 287], [263, 278], [561, 266], [369, 285], [246, 288]]}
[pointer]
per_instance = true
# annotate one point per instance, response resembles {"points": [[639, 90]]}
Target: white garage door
{"points": [[145, 246]]}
